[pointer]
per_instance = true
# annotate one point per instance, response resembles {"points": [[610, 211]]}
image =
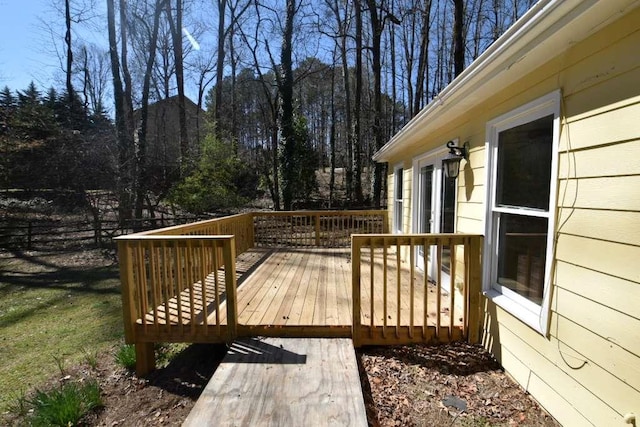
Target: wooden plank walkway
{"points": [[283, 382]]}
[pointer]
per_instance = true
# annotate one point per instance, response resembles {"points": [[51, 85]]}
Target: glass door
{"points": [[426, 213], [435, 212]]}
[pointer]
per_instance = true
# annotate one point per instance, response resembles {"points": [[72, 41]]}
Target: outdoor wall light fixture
{"points": [[451, 163]]}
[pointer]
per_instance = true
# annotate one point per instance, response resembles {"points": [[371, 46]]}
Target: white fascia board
{"points": [[549, 28]]}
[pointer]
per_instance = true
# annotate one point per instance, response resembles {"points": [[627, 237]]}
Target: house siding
{"points": [[586, 371]]}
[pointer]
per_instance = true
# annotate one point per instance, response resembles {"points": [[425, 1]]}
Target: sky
{"points": [[23, 53]]}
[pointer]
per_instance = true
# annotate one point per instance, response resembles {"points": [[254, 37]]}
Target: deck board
{"points": [[283, 382]]}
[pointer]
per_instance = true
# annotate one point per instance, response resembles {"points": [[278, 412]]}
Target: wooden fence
{"points": [[59, 234]]}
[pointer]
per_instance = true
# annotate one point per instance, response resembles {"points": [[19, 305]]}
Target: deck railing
{"points": [[395, 302], [315, 228], [240, 226]]}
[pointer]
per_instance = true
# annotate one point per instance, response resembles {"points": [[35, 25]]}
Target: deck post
{"points": [[355, 285], [128, 294], [475, 289], [252, 230], [229, 255], [317, 219], [145, 358]]}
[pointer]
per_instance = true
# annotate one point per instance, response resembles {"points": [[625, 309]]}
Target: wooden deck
{"points": [[283, 382], [305, 292], [296, 274]]}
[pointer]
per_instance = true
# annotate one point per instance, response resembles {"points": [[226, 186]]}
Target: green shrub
{"points": [[126, 356], [66, 405], [220, 180]]}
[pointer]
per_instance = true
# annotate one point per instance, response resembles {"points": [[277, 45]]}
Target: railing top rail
{"points": [[392, 236], [191, 225], [135, 237], [320, 212]]}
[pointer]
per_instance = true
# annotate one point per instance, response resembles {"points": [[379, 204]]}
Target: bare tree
{"points": [[123, 109], [458, 37], [176, 35], [356, 166], [285, 86]]}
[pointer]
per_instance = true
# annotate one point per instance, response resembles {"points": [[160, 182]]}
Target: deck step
{"points": [[283, 382]]}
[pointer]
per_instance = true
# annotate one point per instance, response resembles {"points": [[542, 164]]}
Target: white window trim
{"points": [[396, 219], [534, 315]]}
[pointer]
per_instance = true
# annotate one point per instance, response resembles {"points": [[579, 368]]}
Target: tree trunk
{"points": [[422, 85], [332, 135], [220, 64], [176, 33], [356, 143], [141, 152], [287, 157], [125, 138], [376, 34], [458, 37], [67, 40]]}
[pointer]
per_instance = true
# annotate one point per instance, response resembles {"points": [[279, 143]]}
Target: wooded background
{"points": [[285, 90]]}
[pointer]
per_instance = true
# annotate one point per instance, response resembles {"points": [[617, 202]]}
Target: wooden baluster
{"points": [[412, 270], [425, 283], [465, 289], [165, 283], [203, 285], [452, 287], [191, 282], [355, 288], [179, 282], [398, 286], [155, 279], [143, 284], [438, 286], [216, 267], [372, 292], [385, 268]]}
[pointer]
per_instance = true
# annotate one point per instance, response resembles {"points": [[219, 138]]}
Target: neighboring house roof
{"points": [[547, 30], [172, 101]]}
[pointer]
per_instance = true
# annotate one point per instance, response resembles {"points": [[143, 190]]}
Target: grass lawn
{"points": [[56, 309]]}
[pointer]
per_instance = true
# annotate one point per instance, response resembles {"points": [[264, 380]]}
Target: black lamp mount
{"points": [[451, 163]]}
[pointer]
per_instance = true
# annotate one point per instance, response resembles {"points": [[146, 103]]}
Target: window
{"points": [[522, 175], [397, 198]]}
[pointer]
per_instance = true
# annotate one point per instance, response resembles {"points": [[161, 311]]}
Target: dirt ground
{"points": [[446, 385]]}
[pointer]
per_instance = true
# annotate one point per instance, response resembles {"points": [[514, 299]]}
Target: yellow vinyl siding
{"points": [[612, 258], [391, 186], [604, 288], [612, 160], [587, 370], [619, 362], [613, 226], [610, 193], [545, 361], [592, 354], [406, 201]]}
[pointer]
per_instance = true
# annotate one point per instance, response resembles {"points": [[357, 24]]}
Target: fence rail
{"points": [[44, 234]]}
